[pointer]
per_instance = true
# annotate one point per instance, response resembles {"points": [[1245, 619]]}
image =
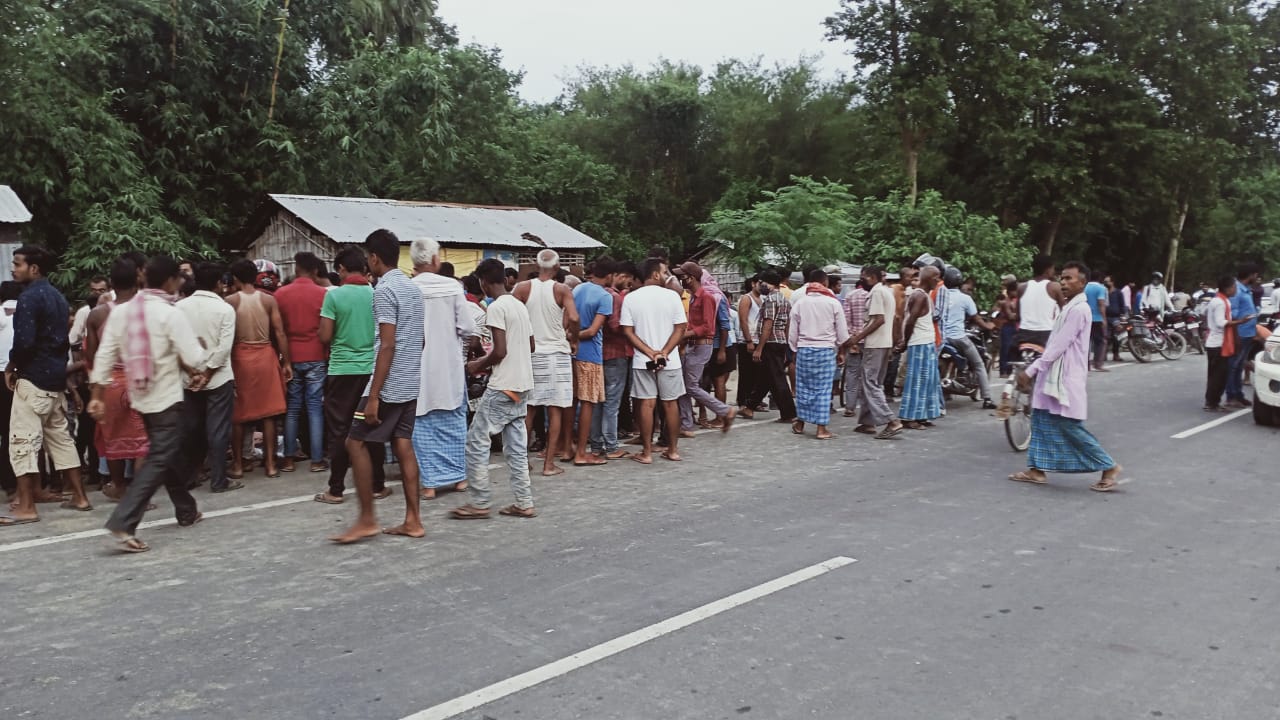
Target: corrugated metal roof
{"points": [[350, 220], [11, 208]]}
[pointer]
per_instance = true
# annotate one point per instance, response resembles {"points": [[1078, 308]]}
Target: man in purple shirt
{"points": [[1060, 403]]}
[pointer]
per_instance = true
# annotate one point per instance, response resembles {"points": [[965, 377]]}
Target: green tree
{"points": [[806, 223]]}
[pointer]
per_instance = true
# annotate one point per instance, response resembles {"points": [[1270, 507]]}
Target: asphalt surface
{"points": [[971, 597]]}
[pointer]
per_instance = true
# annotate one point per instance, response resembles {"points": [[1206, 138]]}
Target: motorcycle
{"points": [[1147, 336], [959, 377], [1187, 324]]}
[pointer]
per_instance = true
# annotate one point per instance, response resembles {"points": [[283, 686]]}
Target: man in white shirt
{"points": [[209, 410], [1219, 346], [98, 287], [654, 321], [153, 340], [505, 403], [1156, 296], [880, 334]]}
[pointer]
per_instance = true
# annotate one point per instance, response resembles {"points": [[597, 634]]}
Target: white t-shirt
{"points": [[515, 372], [881, 303], [1216, 317], [6, 329], [654, 312]]}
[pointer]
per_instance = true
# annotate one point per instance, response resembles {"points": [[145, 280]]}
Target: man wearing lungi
{"points": [[817, 331]]}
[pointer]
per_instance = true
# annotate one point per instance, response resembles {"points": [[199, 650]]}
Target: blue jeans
{"points": [[308, 375], [498, 414], [1235, 376], [604, 423]]}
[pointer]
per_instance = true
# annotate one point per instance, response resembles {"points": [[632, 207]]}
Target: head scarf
{"points": [[139, 366], [711, 287]]}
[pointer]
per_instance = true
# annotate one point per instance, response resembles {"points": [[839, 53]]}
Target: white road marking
{"points": [[83, 534], [607, 649], [1210, 425]]}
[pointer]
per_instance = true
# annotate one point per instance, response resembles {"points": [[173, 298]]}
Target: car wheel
{"points": [[1263, 414]]}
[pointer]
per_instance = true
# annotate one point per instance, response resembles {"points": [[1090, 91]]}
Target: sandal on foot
{"points": [[517, 511], [328, 499], [1104, 486], [1027, 477], [130, 544], [865, 429], [6, 521], [68, 505], [470, 512]]}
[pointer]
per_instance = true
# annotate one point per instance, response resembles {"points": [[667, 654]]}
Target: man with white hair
{"points": [[440, 430], [555, 332]]}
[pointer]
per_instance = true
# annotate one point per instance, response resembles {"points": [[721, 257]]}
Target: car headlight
{"points": [[1271, 351]]}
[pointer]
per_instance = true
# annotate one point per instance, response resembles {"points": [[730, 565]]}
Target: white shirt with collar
{"points": [[214, 322], [171, 340]]}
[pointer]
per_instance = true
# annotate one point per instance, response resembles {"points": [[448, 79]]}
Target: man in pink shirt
{"points": [[699, 339], [300, 302], [818, 329], [1060, 401]]}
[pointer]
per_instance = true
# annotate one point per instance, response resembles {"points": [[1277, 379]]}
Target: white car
{"points": [[1266, 383]]}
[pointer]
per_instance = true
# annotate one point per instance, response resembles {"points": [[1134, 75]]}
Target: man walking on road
{"points": [[817, 334], [699, 340], [389, 408], [1059, 401], [555, 319], [654, 320], [37, 376], [153, 340], [502, 408]]}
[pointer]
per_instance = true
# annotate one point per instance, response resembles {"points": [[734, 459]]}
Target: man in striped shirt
{"points": [[390, 406], [855, 314]]}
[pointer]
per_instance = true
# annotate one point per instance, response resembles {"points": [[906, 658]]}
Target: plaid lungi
{"points": [[815, 371], [440, 442], [922, 389], [1062, 444]]}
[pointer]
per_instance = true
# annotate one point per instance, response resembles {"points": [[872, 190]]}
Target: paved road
{"points": [[971, 597]]}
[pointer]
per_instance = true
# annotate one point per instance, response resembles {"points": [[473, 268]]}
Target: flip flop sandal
{"points": [[466, 512], [319, 468], [797, 428], [386, 493], [514, 511], [1024, 477], [667, 456], [7, 521], [130, 544], [199, 516], [589, 463], [68, 505], [889, 432], [1104, 487], [618, 455], [865, 429]]}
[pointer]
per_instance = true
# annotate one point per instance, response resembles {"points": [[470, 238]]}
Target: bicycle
{"points": [[1015, 408]]}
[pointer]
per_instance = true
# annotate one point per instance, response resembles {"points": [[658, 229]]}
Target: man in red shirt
{"points": [[699, 338], [300, 302]]}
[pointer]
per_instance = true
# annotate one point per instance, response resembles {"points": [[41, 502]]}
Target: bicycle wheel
{"points": [[1138, 349], [1017, 426], [1174, 347]]}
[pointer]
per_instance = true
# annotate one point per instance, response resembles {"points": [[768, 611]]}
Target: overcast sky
{"points": [[548, 39]]}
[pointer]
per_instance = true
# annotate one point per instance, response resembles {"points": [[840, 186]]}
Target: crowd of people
{"points": [[174, 374]]}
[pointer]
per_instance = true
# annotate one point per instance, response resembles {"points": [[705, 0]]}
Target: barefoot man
{"points": [[555, 334], [389, 408], [257, 366], [653, 319], [1060, 403]]}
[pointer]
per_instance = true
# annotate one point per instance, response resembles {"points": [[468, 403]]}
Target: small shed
{"points": [[288, 224], [13, 215]]}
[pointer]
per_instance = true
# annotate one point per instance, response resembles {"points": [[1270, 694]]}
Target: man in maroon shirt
{"points": [[300, 302], [699, 338]]}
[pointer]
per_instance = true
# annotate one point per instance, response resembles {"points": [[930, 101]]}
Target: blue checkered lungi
{"points": [[922, 389], [815, 373], [440, 442], [1062, 444]]}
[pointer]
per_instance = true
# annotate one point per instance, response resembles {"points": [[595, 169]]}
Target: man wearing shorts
{"points": [[654, 321], [555, 337], [390, 406], [594, 305], [37, 377]]}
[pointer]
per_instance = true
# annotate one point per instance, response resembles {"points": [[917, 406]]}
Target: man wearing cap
{"points": [[699, 339]]}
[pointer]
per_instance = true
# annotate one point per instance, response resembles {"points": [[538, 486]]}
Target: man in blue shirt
{"points": [[1242, 308], [957, 309], [37, 377], [594, 305], [1095, 294]]}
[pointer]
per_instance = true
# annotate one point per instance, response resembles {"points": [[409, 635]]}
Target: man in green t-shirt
{"points": [[347, 327]]}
